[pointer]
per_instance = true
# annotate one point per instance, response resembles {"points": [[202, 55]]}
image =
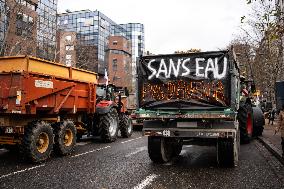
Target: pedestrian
{"points": [[281, 128], [271, 116]]}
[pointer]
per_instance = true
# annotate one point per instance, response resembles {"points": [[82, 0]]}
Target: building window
{"points": [[18, 31], [68, 57], [68, 38], [114, 64], [19, 16], [31, 20], [27, 4], [69, 47], [68, 63], [114, 42]]}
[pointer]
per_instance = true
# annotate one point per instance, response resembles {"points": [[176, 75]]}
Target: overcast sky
{"points": [[172, 25]]}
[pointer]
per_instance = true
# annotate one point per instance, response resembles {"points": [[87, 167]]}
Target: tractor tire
{"points": [[65, 138], [160, 149], [258, 121], [38, 141], [108, 123], [245, 118], [228, 152], [125, 125]]}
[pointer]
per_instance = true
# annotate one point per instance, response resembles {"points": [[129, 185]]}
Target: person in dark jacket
{"points": [[271, 116]]}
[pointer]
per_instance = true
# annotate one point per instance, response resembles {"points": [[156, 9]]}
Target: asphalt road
{"points": [[125, 164]]}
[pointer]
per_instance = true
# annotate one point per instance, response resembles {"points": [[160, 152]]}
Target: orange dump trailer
{"points": [[43, 105]]}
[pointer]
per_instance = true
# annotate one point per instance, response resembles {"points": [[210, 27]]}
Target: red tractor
{"points": [[111, 113]]}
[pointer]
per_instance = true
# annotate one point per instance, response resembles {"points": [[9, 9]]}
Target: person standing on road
{"points": [[271, 116], [281, 128]]}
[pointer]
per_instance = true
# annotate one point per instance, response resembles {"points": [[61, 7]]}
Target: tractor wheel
{"points": [[125, 125], [160, 149], [228, 152], [258, 121], [108, 123], [245, 118], [38, 141], [65, 137]]}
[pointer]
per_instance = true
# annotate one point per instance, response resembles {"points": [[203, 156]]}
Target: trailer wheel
{"points": [[228, 152], [160, 149], [125, 125], [177, 147], [245, 118], [258, 121], [108, 123], [38, 141], [65, 137]]}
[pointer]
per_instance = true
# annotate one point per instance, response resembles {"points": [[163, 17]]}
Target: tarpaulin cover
{"points": [[184, 81]]}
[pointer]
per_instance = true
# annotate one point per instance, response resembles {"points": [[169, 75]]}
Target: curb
{"points": [[275, 151]]}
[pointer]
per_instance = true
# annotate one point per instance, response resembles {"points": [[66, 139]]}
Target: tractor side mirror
{"points": [[126, 91]]}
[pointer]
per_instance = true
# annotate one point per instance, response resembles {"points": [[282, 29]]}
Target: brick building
{"points": [[118, 56], [66, 43]]}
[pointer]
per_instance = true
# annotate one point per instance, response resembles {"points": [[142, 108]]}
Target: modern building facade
{"points": [[46, 29], [135, 32], [118, 56], [28, 27], [93, 29]]}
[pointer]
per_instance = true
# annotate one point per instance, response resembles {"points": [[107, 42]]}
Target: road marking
{"points": [[130, 140], [137, 151], [21, 171], [96, 150], [82, 143], [146, 182]]}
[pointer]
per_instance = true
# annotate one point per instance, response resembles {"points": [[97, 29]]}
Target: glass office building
{"points": [[93, 29], [135, 32], [46, 29]]}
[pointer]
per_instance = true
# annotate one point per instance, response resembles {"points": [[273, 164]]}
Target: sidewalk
{"points": [[272, 142]]}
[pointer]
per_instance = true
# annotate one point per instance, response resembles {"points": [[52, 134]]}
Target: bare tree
{"points": [[261, 44]]}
